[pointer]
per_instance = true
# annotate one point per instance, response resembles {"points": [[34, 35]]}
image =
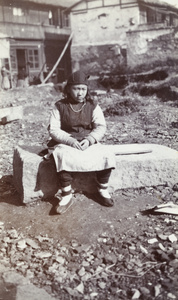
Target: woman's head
{"points": [[78, 92], [77, 86]]}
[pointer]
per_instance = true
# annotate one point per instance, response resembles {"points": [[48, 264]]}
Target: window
{"points": [[50, 17], [18, 15], [13, 59], [154, 16], [8, 15], [33, 58], [17, 12], [44, 17], [66, 20], [33, 16]]}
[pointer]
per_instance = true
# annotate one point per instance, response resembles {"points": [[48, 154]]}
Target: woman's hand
{"points": [[84, 144], [77, 145]]}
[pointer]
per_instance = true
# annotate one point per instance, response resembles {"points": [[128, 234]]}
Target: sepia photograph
{"points": [[88, 149]]}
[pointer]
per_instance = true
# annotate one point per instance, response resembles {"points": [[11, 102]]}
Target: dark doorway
{"points": [[21, 59]]}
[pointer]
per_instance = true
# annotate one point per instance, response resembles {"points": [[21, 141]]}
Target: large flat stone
{"points": [[9, 114], [136, 166]]}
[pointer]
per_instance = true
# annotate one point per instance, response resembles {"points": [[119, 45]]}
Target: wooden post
{"points": [[59, 59], [10, 68]]}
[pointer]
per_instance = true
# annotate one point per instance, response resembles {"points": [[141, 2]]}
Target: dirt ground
{"points": [[108, 253]]}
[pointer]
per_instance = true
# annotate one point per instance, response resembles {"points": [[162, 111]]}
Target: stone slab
{"points": [[136, 166], [9, 114]]}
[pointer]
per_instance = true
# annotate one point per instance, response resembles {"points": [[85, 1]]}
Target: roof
{"points": [[63, 3], [167, 3], [72, 3], [158, 3]]}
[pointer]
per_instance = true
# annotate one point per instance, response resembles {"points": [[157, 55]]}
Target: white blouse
{"points": [[63, 137]]}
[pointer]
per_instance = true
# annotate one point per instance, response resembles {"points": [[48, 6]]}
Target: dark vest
{"points": [[78, 124]]}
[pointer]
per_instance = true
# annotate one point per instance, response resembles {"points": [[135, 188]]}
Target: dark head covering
{"points": [[78, 77]]}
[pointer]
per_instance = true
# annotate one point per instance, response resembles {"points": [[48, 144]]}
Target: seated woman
{"points": [[77, 125]]}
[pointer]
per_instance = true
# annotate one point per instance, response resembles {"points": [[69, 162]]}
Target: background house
{"points": [[110, 35], [33, 35]]}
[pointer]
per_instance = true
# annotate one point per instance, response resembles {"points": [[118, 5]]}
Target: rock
{"points": [[163, 237], [60, 260], [171, 296], [85, 263], [35, 178], [81, 272], [157, 290], [71, 292], [80, 288], [162, 255], [27, 176], [9, 114], [172, 238], [144, 291], [6, 239], [21, 245], [32, 243], [102, 284], [136, 294], [110, 258], [161, 247], [86, 276], [93, 295], [175, 187], [174, 263], [13, 233], [143, 249], [152, 241], [175, 194], [43, 255]]}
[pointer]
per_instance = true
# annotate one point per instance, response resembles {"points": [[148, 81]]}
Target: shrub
{"points": [[122, 108]]}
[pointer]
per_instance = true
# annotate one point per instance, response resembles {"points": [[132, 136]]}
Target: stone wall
{"points": [[144, 47], [147, 46]]}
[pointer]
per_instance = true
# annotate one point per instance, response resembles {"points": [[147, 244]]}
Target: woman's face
{"points": [[78, 92]]}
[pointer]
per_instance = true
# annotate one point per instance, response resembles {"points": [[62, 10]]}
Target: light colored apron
{"points": [[95, 158]]}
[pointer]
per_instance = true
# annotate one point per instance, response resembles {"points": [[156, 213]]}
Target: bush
{"points": [[122, 108]]}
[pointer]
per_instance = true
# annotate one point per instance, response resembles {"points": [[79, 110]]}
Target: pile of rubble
{"points": [[117, 266]]}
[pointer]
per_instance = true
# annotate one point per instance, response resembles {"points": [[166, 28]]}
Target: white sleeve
{"points": [[99, 126], [55, 130]]}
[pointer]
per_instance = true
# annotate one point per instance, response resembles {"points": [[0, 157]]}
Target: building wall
{"points": [[109, 39], [103, 25], [152, 46], [99, 41]]}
